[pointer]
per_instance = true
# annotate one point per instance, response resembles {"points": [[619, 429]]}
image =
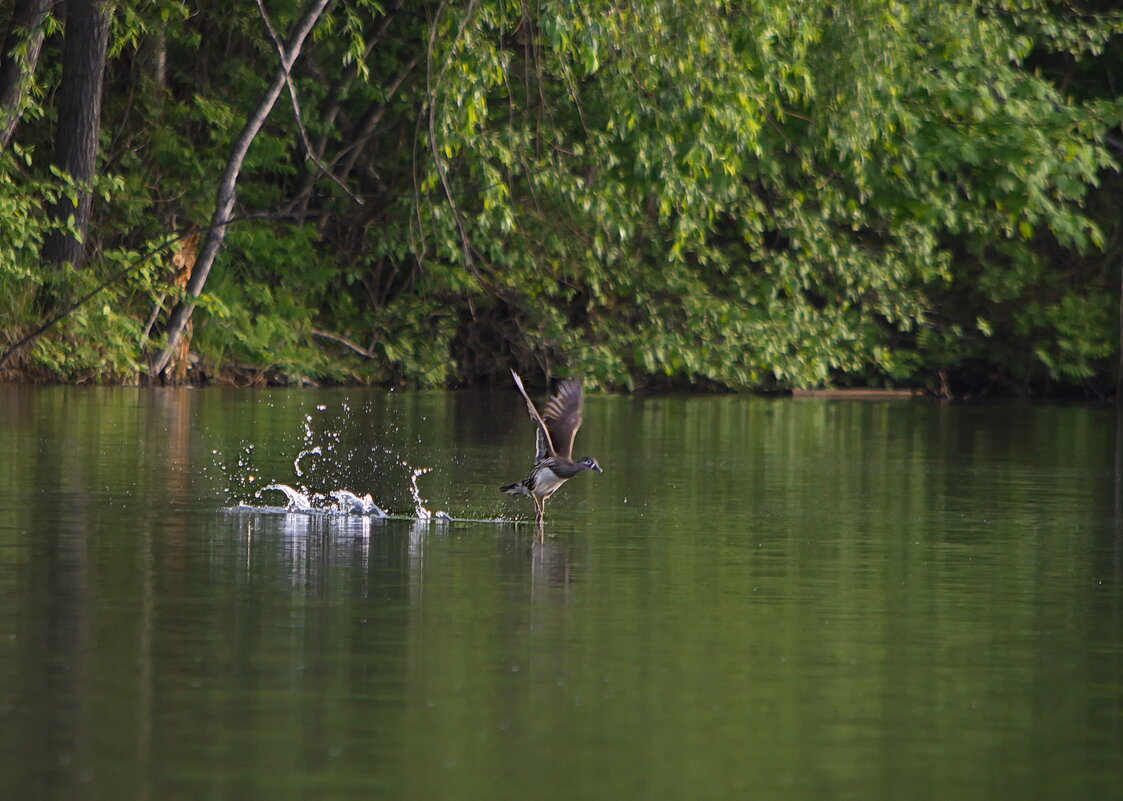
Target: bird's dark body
{"points": [[557, 428]]}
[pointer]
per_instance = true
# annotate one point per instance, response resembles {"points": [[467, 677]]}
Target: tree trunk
{"points": [[158, 59], [79, 117], [227, 188], [16, 70], [1119, 368]]}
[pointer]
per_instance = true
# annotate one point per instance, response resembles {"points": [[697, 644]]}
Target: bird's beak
{"points": [[597, 467]]}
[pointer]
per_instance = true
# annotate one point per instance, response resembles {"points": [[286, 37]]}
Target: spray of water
{"points": [[316, 451], [419, 509], [350, 503], [243, 476]]}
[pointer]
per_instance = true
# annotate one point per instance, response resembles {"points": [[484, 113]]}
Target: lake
{"points": [[758, 598]]}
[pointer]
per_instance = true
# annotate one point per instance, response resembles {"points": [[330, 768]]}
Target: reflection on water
{"points": [[796, 599]]}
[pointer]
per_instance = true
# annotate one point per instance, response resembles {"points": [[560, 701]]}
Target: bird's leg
{"points": [[539, 509]]}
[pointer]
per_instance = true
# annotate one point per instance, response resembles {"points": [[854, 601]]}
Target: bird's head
{"points": [[589, 463]]}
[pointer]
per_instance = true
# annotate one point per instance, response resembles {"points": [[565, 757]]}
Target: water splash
{"points": [[295, 499], [340, 502], [316, 451], [350, 502], [321, 460], [419, 509]]}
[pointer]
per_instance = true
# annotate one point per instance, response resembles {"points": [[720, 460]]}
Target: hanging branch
{"points": [[431, 91], [227, 188]]}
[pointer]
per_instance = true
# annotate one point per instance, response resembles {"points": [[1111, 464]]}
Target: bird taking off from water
{"points": [[553, 455]]}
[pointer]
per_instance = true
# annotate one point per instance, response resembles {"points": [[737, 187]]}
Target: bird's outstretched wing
{"points": [[544, 445], [562, 416]]}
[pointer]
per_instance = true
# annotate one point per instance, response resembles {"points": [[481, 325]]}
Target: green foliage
{"points": [[662, 193], [97, 340], [745, 197], [23, 232]]}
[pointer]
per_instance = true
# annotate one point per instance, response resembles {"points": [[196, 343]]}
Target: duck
{"points": [[556, 429]]}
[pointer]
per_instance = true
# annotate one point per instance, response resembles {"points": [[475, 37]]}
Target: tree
{"points": [[227, 187], [655, 193], [79, 123], [19, 56]]}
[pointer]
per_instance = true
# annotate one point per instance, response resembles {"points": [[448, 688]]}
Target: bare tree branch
{"points": [[350, 154], [345, 342], [309, 152]]}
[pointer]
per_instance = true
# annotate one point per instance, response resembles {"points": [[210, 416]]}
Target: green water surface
{"points": [[758, 599]]}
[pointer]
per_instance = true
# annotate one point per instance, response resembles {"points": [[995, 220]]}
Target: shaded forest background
{"points": [[653, 193]]}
